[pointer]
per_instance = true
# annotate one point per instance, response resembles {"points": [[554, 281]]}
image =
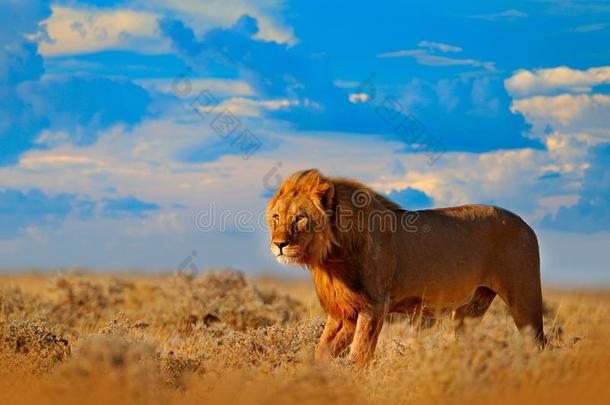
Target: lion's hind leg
{"points": [[524, 301], [475, 309], [526, 310]]}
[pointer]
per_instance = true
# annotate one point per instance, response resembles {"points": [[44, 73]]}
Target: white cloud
{"points": [[501, 176], [86, 29], [553, 203], [424, 58], [568, 123], [49, 162], [510, 14], [358, 98], [219, 87], [428, 57], [589, 27], [128, 162], [564, 108], [247, 107], [439, 46], [74, 30], [205, 15], [570, 147], [543, 81]]}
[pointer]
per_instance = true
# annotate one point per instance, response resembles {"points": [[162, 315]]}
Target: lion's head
{"points": [[298, 216]]}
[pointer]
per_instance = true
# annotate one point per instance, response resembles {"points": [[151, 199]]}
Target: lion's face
{"points": [[290, 224], [297, 219]]}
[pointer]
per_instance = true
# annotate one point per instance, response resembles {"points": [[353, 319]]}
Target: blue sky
{"points": [[124, 123]]}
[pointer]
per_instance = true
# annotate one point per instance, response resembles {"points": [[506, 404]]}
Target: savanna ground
{"points": [[221, 338]]}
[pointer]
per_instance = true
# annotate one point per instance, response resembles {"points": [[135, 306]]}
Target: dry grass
{"points": [[219, 338]]}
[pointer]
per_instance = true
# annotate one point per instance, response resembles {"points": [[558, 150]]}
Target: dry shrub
{"points": [[176, 366], [225, 297], [14, 304], [122, 326], [222, 348], [33, 343], [274, 345], [79, 302], [76, 300]]}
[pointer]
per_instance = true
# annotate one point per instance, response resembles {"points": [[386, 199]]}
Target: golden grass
{"points": [[219, 338]]}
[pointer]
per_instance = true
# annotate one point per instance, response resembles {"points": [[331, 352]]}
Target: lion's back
{"points": [[471, 212]]}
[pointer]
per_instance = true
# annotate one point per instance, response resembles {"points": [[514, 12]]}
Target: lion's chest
{"points": [[337, 295]]}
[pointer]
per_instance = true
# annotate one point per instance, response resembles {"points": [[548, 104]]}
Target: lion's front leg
{"points": [[337, 336], [368, 328], [332, 326]]}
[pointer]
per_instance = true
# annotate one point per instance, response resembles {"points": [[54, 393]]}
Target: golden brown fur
{"points": [[369, 257]]}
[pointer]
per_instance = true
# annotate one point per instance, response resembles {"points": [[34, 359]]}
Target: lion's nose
{"points": [[280, 244]]}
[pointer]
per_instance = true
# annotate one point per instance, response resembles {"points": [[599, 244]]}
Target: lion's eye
{"points": [[276, 218], [300, 217]]}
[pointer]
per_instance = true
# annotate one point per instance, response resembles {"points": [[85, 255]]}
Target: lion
{"points": [[369, 257]]}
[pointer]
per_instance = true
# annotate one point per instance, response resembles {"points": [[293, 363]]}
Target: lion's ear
{"points": [[326, 193], [316, 185], [322, 187]]}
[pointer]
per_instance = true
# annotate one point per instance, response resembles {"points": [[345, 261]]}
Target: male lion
{"points": [[369, 257]]}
